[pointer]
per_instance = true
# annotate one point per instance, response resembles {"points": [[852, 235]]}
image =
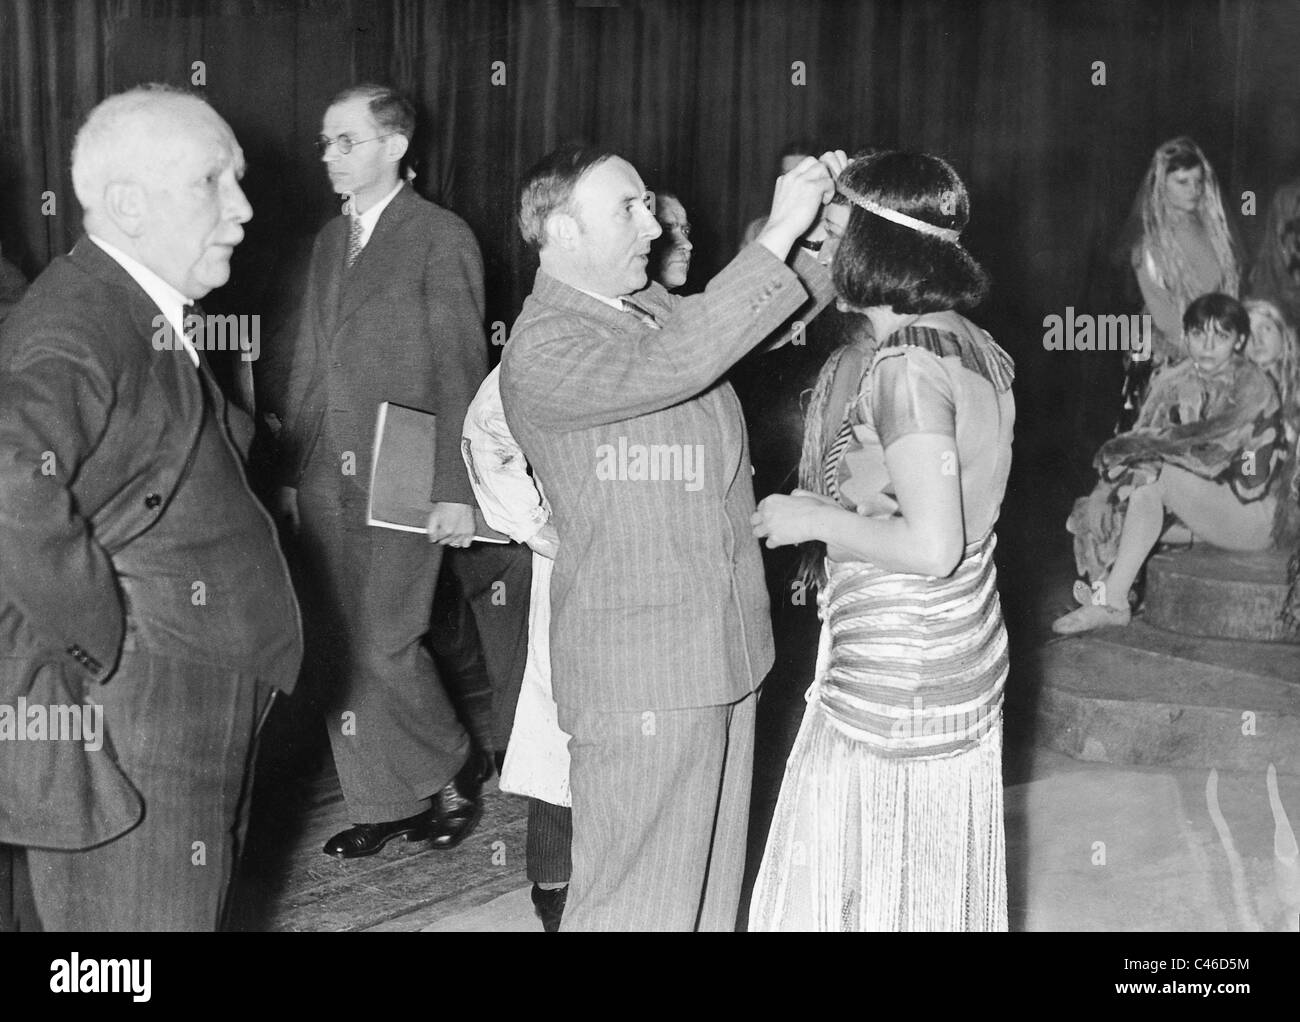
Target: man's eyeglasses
{"points": [[344, 142]]}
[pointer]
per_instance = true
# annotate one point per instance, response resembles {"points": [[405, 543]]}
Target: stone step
{"points": [[1143, 695], [1219, 593]]}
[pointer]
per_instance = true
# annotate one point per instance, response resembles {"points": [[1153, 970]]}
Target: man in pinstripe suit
{"points": [[660, 632]]}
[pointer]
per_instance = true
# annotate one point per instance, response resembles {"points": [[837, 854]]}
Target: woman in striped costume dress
{"points": [[890, 814]]}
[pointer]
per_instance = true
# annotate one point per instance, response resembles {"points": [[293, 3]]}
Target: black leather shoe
{"points": [[368, 838], [549, 906], [457, 808]]}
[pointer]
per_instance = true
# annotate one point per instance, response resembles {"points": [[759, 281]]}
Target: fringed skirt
{"points": [[890, 814]]}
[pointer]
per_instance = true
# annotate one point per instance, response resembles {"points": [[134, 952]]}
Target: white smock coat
{"points": [[537, 758]]}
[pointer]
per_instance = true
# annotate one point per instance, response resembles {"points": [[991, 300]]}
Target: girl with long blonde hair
{"points": [[1180, 247]]}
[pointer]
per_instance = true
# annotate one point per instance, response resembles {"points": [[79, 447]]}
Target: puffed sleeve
{"points": [[498, 472], [910, 392]]}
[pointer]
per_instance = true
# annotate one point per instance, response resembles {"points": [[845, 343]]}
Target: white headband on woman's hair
{"points": [[894, 216]]}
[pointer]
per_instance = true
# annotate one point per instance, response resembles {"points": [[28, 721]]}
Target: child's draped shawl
{"points": [[1286, 519], [1227, 428]]}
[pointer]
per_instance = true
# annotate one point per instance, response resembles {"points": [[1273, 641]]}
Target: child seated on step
{"points": [[1207, 449], [1273, 346]]}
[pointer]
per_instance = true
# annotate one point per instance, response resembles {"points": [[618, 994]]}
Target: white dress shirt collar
{"points": [[614, 303], [371, 216], [171, 303]]}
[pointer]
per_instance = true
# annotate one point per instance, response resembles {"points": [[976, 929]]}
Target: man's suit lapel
{"points": [[327, 279], [553, 292], [721, 401], [172, 368], [381, 259]]}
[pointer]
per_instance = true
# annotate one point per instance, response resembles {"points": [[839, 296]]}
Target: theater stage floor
{"points": [[1090, 846]]}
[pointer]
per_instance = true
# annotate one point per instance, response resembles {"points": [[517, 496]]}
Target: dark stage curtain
{"points": [[700, 96]]}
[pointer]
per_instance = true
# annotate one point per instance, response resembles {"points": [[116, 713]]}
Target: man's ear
{"points": [[395, 147], [125, 205], [562, 230]]}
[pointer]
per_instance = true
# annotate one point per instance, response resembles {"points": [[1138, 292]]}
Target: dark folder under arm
{"points": [[401, 473]]}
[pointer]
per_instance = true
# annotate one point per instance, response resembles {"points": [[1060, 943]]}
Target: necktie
{"points": [[192, 332], [644, 315], [354, 241], [229, 374]]}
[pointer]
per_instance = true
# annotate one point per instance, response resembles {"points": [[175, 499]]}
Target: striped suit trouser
{"points": [[660, 817]]}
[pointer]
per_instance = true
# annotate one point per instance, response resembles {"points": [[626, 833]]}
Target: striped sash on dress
{"points": [[916, 665], [911, 665]]}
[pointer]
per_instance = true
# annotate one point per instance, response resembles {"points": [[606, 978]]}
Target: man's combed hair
{"points": [[391, 110], [548, 186], [1220, 310], [883, 263]]}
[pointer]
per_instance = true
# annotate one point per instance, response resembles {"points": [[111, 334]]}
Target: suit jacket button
{"points": [[152, 501]]}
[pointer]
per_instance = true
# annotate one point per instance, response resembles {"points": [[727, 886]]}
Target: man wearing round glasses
{"points": [[354, 169], [345, 142], [393, 312]]}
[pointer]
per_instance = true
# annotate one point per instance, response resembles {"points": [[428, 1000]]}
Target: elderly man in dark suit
{"points": [[659, 631], [393, 312], [141, 584]]}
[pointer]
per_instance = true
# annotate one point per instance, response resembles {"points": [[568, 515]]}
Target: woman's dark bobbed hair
{"points": [[880, 262]]}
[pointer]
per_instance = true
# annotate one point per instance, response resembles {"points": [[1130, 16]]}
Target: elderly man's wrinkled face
{"points": [[194, 208], [675, 246], [616, 224]]}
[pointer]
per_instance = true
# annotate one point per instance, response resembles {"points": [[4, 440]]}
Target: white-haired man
{"points": [[144, 603]]}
